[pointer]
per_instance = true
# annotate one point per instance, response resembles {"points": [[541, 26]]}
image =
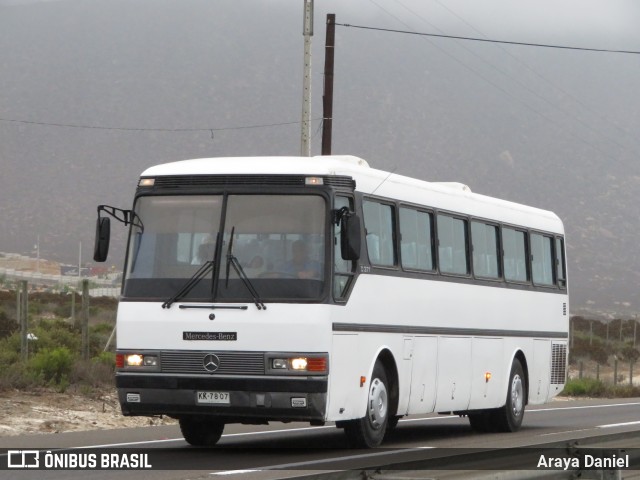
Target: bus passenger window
{"points": [[515, 255], [542, 259], [485, 250], [378, 223], [416, 234], [452, 245]]}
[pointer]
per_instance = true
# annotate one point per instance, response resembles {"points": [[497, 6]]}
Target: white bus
{"points": [[322, 290]]}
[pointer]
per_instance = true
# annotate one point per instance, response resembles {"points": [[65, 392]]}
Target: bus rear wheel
{"points": [[369, 431], [201, 431]]}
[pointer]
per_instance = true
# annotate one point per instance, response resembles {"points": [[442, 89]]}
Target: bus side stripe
{"points": [[473, 332]]}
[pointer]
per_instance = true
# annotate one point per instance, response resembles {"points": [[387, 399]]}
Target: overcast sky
{"points": [[491, 116]]}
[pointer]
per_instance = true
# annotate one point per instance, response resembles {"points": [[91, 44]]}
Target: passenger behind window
{"points": [[206, 251]]}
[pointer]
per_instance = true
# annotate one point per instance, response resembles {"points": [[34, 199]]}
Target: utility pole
{"points": [[305, 142], [327, 97], [24, 318], [84, 328]]}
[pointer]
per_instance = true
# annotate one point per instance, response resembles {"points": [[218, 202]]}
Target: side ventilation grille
{"points": [[558, 363]]}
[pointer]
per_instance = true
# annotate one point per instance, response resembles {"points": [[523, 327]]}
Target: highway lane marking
{"points": [[612, 425], [234, 472], [566, 431], [292, 430], [262, 432], [583, 407]]}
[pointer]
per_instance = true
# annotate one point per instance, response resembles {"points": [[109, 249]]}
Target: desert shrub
{"points": [[584, 387], [96, 373], [55, 333], [18, 376], [7, 325], [98, 337], [54, 365], [582, 349], [9, 350], [623, 391], [105, 358], [629, 353]]}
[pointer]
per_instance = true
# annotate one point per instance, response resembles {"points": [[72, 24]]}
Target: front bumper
{"points": [[251, 399]]}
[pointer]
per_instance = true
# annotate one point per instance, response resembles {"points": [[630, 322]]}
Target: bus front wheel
{"points": [[369, 431], [201, 432], [509, 418]]}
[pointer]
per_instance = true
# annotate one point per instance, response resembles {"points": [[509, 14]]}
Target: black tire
{"points": [[369, 431], [201, 432], [509, 418], [481, 421], [393, 422]]}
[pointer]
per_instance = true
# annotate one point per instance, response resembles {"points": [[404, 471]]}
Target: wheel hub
{"points": [[517, 396], [378, 403]]}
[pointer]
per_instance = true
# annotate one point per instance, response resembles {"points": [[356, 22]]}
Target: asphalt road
{"points": [[432, 446]]}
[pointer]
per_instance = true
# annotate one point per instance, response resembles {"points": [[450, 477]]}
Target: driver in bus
{"points": [[300, 265]]}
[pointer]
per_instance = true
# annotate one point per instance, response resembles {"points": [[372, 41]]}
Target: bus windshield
{"points": [[278, 243]]}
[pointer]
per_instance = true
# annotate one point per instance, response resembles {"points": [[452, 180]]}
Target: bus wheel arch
{"points": [[385, 357], [519, 355], [381, 406]]}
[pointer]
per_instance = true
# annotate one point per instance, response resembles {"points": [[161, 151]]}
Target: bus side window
{"points": [[452, 240], [515, 255], [542, 262], [560, 263], [485, 242], [416, 232], [379, 225]]}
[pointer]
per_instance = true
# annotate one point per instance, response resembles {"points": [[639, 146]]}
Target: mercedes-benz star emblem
{"points": [[211, 362]]}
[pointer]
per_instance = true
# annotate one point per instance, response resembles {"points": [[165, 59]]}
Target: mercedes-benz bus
{"points": [[323, 290]]}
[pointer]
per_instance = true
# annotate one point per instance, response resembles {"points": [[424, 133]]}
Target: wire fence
{"points": [[605, 350]]}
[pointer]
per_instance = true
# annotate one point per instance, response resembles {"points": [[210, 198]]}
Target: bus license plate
{"points": [[213, 397]]}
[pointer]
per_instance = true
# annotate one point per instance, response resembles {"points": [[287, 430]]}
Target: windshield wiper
{"points": [[232, 261], [192, 282], [202, 272]]}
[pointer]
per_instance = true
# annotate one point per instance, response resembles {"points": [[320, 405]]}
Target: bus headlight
{"points": [[279, 363], [133, 360], [136, 360], [299, 364]]}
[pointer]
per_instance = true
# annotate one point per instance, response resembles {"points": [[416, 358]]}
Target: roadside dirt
{"points": [[51, 412]]}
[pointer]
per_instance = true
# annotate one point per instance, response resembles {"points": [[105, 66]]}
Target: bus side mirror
{"points": [[350, 236], [103, 235]]}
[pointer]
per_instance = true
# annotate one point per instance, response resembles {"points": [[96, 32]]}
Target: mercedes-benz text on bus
{"points": [[322, 290]]}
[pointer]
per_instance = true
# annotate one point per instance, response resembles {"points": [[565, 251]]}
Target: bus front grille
{"points": [[558, 363], [228, 363]]}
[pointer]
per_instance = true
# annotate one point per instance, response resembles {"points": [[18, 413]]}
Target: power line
{"points": [[140, 129], [483, 77], [536, 73], [541, 97], [487, 40]]}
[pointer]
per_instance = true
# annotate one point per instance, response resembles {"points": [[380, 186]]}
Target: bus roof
{"points": [[450, 196]]}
